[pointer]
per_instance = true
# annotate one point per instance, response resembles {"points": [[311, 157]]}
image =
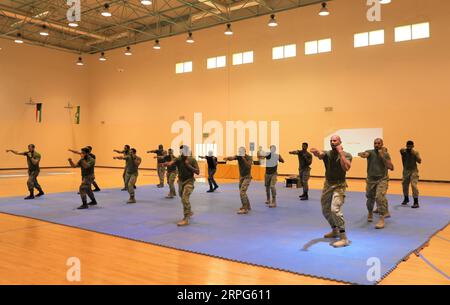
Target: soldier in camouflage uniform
{"points": [[245, 177], [160, 157], [171, 174], [270, 178], [125, 152], [131, 172], [87, 164], [410, 158], [378, 164], [187, 167], [304, 170], [94, 183], [33, 159], [337, 162]]}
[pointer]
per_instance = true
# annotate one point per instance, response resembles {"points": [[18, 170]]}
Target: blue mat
{"points": [[286, 238]]}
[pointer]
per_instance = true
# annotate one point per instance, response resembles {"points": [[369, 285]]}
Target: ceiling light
{"points": [[106, 12], [190, 39], [102, 57], [229, 31], [128, 51], [146, 2], [44, 31], [385, 1], [272, 21], [80, 61], [157, 46], [18, 38], [324, 10], [73, 24]]}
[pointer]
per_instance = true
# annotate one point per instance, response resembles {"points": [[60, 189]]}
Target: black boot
{"points": [[93, 202], [96, 188], [41, 192], [405, 201], [210, 188], [215, 187], [416, 203], [83, 206], [304, 196], [124, 189], [31, 196]]}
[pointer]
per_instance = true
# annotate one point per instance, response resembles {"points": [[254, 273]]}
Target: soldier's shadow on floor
{"points": [[312, 242]]}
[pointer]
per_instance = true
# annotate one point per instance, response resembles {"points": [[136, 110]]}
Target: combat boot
{"points": [[183, 222], [333, 234], [342, 242], [370, 217], [380, 223], [416, 203]]}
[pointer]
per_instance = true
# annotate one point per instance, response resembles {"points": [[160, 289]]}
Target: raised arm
{"points": [[317, 153], [118, 151], [386, 159], [281, 159], [294, 152], [193, 168], [137, 161], [345, 163], [71, 162], [119, 158], [419, 159]]}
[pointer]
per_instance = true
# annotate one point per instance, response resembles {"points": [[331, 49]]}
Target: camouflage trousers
{"points": [[171, 176], [85, 188], [332, 202], [32, 182], [303, 178], [123, 176], [270, 181], [410, 177], [185, 189], [244, 183], [376, 190], [130, 182], [161, 173]]}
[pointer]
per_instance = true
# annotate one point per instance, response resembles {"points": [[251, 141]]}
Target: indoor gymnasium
{"points": [[224, 142]]}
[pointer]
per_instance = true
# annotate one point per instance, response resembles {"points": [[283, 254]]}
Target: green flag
{"points": [[77, 115], [39, 112]]}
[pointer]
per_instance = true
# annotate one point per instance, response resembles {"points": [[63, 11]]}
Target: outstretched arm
{"points": [[119, 158], [317, 153], [230, 158], [363, 155], [294, 152], [16, 152], [118, 151], [75, 151]]}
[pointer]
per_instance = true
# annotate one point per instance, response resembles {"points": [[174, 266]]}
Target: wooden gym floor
{"points": [[35, 252]]}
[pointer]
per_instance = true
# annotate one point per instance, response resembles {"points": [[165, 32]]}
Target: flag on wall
{"points": [[77, 115], [39, 112]]}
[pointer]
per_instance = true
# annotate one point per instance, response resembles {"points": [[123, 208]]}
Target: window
{"points": [[369, 39], [242, 58], [284, 51], [412, 32], [318, 46], [216, 62], [183, 67]]}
